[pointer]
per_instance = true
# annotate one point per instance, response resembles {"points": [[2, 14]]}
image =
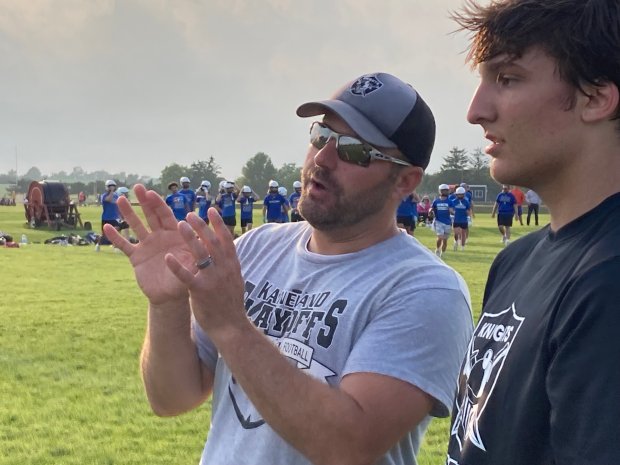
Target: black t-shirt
{"points": [[540, 383]]}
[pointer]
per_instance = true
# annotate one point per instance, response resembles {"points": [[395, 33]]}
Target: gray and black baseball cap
{"points": [[385, 112]]}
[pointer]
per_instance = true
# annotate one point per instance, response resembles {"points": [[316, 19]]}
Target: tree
{"points": [[172, 173], [288, 174], [77, 173], [9, 177], [478, 161], [457, 160], [258, 171], [205, 170], [33, 174]]}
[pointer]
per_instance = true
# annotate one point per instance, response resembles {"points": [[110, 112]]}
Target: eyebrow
{"points": [[495, 65]]}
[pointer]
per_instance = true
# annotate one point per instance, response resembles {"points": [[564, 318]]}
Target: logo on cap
{"points": [[365, 85]]}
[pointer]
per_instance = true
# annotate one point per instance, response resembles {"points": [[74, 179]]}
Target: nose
{"points": [[327, 157], [481, 108]]}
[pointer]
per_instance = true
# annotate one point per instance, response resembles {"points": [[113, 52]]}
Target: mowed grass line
{"points": [[71, 327]]}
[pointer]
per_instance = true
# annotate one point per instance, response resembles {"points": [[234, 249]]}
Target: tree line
{"points": [[458, 166]]}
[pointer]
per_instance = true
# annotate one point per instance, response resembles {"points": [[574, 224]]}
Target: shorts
{"points": [[504, 219], [119, 225], [408, 221], [461, 225], [230, 220], [245, 222], [442, 229], [295, 217]]}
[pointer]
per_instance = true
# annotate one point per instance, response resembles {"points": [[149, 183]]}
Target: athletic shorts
{"points": [[461, 225], [295, 217], [504, 219], [119, 225], [406, 220], [230, 220], [245, 222], [442, 229]]}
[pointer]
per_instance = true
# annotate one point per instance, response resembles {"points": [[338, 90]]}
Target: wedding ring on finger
{"points": [[201, 265]]}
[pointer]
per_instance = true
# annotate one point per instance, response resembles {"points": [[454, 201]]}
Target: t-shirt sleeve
{"points": [[583, 381], [420, 338]]}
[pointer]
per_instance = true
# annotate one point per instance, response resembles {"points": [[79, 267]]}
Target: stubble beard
{"points": [[345, 210]]}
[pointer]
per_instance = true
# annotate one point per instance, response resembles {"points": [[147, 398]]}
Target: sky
{"points": [[135, 85]]}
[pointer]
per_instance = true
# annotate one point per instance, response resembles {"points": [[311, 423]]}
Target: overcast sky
{"points": [[134, 85]]}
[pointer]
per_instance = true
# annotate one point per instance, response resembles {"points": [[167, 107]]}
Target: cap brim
{"points": [[358, 122]]}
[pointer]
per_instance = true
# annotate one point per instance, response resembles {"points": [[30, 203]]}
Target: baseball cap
{"points": [[460, 190], [273, 183], [110, 182], [385, 112], [184, 179], [444, 187]]}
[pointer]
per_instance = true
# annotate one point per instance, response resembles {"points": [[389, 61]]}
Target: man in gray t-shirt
{"points": [[331, 341]]}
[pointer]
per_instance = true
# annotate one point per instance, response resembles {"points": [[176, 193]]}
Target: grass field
{"points": [[71, 327]]}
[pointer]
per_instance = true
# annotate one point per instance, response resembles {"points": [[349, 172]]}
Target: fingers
{"points": [[182, 274], [158, 215], [135, 223], [215, 242], [222, 233], [199, 249], [203, 240], [117, 240]]}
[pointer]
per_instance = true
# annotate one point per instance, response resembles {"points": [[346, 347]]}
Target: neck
{"points": [[571, 194]]}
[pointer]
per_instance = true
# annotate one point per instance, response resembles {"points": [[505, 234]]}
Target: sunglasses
{"points": [[349, 148]]}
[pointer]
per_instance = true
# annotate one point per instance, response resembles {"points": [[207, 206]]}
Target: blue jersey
{"points": [[191, 198], [408, 207], [274, 203], [460, 210], [505, 202], [204, 204], [441, 208], [469, 196], [227, 204], [178, 203], [247, 206], [294, 200], [110, 210], [284, 218]]}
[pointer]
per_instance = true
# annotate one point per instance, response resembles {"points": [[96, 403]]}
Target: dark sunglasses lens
{"points": [[353, 151]]}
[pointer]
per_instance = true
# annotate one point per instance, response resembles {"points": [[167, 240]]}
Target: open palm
{"points": [[157, 282]]}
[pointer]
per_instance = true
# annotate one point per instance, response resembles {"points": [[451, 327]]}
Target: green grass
{"points": [[71, 328]]}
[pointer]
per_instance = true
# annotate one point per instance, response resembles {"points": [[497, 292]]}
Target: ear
{"points": [[601, 102], [408, 179]]}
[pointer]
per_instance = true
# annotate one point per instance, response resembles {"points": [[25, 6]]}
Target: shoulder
{"points": [[270, 235], [415, 268]]}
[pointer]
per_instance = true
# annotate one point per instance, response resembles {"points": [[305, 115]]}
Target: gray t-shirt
{"points": [[393, 309]]}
